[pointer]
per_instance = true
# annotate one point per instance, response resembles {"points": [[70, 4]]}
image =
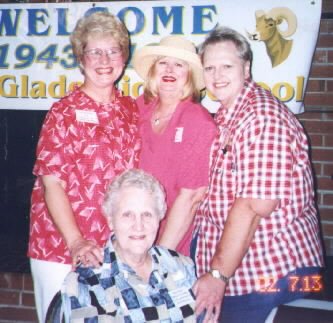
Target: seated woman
{"points": [[137, 282]]}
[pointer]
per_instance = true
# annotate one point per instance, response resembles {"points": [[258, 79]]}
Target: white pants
{"points": [[47, 277]]}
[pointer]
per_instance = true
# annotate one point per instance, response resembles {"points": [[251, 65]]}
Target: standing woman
{"points": [[87, 138], [257, 226], [176, 132]]}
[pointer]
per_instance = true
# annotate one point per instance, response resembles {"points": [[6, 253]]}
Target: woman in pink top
{"points": [[176, 132]]}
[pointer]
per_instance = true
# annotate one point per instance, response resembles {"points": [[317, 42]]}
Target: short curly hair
{"points": [[139, 179], [99, 24]]}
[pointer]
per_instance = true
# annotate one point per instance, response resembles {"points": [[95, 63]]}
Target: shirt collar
{"points": [[117, 266], [224, 115]]}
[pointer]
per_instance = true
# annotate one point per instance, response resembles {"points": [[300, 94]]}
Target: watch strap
{"points": [[217, 274]]}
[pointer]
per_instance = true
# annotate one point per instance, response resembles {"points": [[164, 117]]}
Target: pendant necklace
{"points": [[157, 120]]}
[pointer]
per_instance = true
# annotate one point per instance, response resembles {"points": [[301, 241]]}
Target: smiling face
{"points": [[135, 222], [103, 71], [171, 75], [224, 71]]}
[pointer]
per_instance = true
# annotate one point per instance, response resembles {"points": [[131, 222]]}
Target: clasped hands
{"points": [[86, 253]]}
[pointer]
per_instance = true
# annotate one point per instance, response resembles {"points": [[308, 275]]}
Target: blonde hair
{"points": [[99, 24], [151, 91]]}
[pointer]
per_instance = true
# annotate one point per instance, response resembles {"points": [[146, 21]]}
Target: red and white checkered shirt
{"points": [[261, 152]]}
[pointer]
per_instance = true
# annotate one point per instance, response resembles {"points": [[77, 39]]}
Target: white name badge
{"points": [[86, 116], [181, 296], [179, 134]]}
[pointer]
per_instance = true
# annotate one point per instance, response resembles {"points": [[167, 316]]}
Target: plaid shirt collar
{"points": [[223, 115]]}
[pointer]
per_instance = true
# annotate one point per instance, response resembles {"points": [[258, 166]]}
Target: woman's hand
{"points": [[86, 253], [209, 293]]}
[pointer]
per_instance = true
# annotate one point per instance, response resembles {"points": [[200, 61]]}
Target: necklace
{"points": [[157, 120]]}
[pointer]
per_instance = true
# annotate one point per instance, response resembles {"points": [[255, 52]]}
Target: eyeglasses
{"points": [[97, 53]]}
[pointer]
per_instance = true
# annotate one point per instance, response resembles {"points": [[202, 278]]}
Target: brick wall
{"points": [[16, 298], [16, 295], [318, 122]]}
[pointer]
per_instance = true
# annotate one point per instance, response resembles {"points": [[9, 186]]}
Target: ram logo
{"points": [[268, 30]]}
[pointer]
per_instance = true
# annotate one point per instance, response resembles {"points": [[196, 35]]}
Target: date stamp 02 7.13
{"points": [[305, 284]]}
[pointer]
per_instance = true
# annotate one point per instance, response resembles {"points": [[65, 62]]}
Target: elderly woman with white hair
{"points": [[137, 282], [176, 132]]}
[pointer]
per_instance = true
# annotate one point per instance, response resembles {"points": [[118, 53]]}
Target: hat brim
{"points": [[144, 58]]}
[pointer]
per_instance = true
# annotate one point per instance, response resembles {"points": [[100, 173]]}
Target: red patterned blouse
{"points": [[85, 144]]}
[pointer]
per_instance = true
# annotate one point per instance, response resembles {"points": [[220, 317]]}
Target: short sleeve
{"points": [[189, 269], [53, 152], [174, 262]]}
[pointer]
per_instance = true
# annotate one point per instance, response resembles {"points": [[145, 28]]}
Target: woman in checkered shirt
{"points": [[256, 230]]}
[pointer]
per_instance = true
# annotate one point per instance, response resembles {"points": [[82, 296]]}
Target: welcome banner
{"points": [[37, 66]]}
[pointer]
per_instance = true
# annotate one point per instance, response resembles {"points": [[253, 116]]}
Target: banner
{"points": [[38, 67]]}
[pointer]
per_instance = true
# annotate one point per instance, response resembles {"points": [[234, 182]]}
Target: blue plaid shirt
{"points": [[115, 293]]}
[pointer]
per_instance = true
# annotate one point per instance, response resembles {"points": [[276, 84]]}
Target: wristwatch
{"points": [[216, 274]]}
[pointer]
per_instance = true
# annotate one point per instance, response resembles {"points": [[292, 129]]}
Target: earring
{"points": [[81, 67]]}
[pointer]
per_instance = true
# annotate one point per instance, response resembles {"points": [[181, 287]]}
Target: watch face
{"points": [[215, 273]]}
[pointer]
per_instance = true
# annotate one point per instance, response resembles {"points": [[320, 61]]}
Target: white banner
{"points": [[37, 65]]}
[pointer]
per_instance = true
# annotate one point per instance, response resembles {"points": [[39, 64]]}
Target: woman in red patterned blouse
{"points": [[88, 137]]}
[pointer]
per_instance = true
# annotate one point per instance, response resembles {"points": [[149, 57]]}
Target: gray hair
{"points": [[99, 24], [224, 34], [139, 179]]}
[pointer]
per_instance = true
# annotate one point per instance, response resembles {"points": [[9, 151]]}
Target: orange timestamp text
{"points": [[306, 283]]}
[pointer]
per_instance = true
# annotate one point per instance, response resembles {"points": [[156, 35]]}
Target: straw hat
{"points": [[172, 46]]}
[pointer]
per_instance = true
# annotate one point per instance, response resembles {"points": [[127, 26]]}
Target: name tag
{"points": [[181, 296], [86, 116], [179, 134]]}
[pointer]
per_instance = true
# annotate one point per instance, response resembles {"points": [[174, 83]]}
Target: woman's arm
{"points": [[85, 251], [180, 216], [239, 230]]}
